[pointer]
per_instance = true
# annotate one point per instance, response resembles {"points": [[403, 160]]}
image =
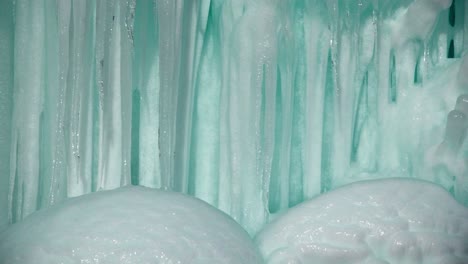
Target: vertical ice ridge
{"points": [[280, 181], [351, 68], [146, 81], [204, 168], [329, 126], [55, 115], [315, 27], [101, 62], [194, 18], [334, 98], [46, 123], [89, 94], [365, 94], [249, 112], [126, 22], [226, 19], [6, 99], [393, 93], [111, 132], [359, 118], [272, 82], [13, 181], [295, 155], [169, 16], [80, 87], [14, 198], [28, 86]]}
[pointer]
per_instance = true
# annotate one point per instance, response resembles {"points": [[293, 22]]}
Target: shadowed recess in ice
{"points": [[128, 225], [250, 105], [393, 221]]}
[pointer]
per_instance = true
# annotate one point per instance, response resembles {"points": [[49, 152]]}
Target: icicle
{"points": [[52, 178], [79, 98], [204, 158], [249, 111], [115, 108], [316, 56], [27, 109], [170, 41], [110, 166], [126, 22], [6, 103], [146, 97], [194, 14], [294, 124]]}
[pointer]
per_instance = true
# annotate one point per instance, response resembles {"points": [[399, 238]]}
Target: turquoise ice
{"points": [[253, 106]]}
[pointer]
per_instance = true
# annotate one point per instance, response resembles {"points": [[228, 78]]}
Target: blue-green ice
{"points": [[253, 106]]}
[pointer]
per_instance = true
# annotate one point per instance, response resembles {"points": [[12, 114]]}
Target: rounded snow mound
{"points": [[383, 221], [128, 225]]}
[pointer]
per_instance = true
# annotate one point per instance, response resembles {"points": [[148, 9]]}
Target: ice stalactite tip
{"points": [[455, 132], [462, 104]]}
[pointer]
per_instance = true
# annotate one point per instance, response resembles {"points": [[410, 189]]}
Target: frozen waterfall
{"points": [[250, 105]]}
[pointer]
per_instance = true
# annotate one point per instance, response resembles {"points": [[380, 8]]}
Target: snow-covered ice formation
{"points": [[381, 221], [253, 106], [128, 225]]}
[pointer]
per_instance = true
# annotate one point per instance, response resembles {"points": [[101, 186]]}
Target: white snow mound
{"points": [[383, 221], [128, 225]]}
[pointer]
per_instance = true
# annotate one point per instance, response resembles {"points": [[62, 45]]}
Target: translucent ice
{"points": [[455, 131], [392, 221], [128, 225], [251, 105], [462, 103], [448, 160]]}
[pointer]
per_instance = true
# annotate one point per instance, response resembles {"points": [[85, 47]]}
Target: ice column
{"points": [[6, 99]]}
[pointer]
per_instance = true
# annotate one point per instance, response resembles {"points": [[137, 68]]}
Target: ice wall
{"points": [[252, 106]]}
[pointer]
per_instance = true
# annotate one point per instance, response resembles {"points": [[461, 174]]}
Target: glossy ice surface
{"points": [[394, 221], [129, 225], [253, 106], [250, 105]]}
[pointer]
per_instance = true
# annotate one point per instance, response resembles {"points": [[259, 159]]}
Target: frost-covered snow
{"points": [[382, 221], [385, 221], [128, 225]]}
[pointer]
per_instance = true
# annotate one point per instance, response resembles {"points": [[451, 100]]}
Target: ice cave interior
{"points": [[234, 131]]}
